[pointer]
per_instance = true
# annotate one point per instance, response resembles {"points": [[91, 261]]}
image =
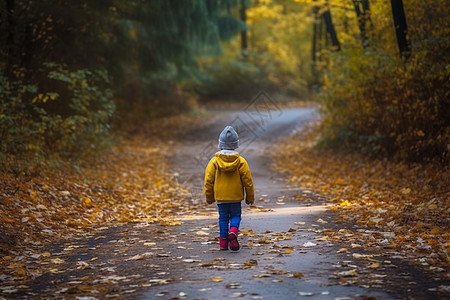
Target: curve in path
{"points": [[280, 257]]}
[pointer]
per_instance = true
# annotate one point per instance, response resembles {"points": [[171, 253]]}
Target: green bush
{"points": [[67, 114], [231, 78]]}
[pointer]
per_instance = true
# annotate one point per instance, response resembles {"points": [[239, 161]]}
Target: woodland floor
{"points": [[134, 224]]}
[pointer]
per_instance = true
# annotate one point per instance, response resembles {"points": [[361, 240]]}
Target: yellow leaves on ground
{"points": [[407, 203], [130, 183]]}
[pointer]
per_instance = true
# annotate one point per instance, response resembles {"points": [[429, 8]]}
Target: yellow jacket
{"points": [[226, 177]]}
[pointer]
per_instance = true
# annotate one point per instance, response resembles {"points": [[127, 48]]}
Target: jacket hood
{"points": [[228, 161]]}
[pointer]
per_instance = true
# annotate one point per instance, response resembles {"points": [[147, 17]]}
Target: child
{"points": [[226, 177]]}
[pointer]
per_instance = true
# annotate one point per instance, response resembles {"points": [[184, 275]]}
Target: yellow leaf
{"points": [[169, 223], [342, 250], [340, 181], [46, 254], [435, 231], [288, 251], [405, 191], [34, 195], [8, 220], [85, 278], [217, 279], [345, 203], [57, 261], [20, 272], [432, 206], [200, 232], [86, 202], [53, 96], [264, 241], [374, 265]]}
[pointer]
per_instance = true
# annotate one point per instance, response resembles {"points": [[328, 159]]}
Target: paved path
{"points": [[280, 256]]}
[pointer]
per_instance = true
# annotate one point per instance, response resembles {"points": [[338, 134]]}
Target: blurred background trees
{"points": [[69, 69], [390, 97]]}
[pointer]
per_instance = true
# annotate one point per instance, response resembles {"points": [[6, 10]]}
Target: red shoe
{"points": [[232, 239], [223, 243]]}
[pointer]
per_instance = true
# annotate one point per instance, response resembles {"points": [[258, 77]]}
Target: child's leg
{"points": [[235, 221], [224, 218], [235, 214]]}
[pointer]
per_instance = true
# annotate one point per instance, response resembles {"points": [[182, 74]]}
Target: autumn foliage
{"points": [[130, 183], [376, 101], [402, 206]]}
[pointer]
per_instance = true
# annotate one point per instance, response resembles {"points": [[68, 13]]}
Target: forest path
{"points": [[283, 255], [280, 257]]}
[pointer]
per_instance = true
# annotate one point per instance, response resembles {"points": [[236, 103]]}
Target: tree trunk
{"points": [[401, 29], [331, 30], [363, 16], [10, 6], [244, 45], [316, 36]]}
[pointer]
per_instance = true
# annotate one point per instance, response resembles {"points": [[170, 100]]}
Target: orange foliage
{"points": [[130, 183], [407, 204]]}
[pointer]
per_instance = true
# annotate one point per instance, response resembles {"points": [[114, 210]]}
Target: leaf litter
{"points": [[130, 183], [402, 209]]}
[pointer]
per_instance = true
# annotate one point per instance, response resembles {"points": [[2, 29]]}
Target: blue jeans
{"points": [[229, 216]]}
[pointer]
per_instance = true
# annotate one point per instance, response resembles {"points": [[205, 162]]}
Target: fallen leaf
{"points": [[201, 232], [251, 263], [217, 279], [374, 265], [309, 244], [141, 256], [405, 191], [345, 203], [350, 273], [57, 261]]}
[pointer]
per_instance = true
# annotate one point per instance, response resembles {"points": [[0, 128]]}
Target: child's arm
{"points": [[210, 176], [247, 180]]}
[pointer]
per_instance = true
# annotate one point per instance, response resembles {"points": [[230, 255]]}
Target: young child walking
{"points": [[228, 180]]}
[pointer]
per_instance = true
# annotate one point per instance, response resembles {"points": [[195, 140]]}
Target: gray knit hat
{"points": [[228, 139]]}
